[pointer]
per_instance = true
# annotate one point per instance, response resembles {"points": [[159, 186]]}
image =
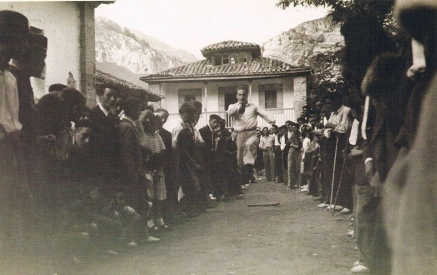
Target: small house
{"points": [[278, 87]]}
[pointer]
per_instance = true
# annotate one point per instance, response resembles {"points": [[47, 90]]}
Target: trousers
{"points": [[247, 147]]}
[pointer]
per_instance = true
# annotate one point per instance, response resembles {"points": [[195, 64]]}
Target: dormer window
{"points": [[230, 58], [225, 58], [231, 52]]}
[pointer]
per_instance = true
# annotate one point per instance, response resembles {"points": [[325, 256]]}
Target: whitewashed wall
{"points": [[171, 102], [61, 24]]}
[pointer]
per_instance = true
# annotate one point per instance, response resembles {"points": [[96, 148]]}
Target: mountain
{"points": [[317, 43], [129, 54], [298, 45]]}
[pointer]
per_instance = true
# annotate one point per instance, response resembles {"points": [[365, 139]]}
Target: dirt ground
{"points": [[232, 238]]}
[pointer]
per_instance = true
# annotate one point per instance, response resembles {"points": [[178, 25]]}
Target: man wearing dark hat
{"points": [[56, 88], [31, 63], [14, 31]]}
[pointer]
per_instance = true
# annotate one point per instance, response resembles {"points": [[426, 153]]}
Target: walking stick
{"points": [[300, 173], [338, 188], [342, 172], [300, 179], [333, 170]]}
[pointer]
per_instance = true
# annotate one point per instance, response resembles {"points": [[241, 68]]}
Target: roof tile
{"points": [[230, 44], [261, 65]]}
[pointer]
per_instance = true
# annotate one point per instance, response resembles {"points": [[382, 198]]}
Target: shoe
{"points": [[351, 234], [345, 211], [305, 189], [304, 186], [318, 198], [360, 269], [150, 225], [228, 197], [110, 252], [192, 214], [336, 208], [132, 244], [165, 228], [211, 197], [356, 263], [323, 205], [243, 187], [152, 239]]}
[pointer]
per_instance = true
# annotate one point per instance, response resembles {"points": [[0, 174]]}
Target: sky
{"points": [[194, 24]]}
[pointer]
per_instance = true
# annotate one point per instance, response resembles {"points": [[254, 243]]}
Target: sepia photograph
{"points": [[218, 137]]}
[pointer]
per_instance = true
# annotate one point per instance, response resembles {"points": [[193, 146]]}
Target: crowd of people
{"points": [[124, 172]]}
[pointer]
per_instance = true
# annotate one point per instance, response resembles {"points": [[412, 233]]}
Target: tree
{"points": [[342, 9], [367, 26]]}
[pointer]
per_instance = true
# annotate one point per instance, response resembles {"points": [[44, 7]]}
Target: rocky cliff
{"points": [[296, 46], [315, 43], [133, 51]]}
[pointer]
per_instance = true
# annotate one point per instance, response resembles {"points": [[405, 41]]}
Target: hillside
{"points": [[129, 54], [317, 43]]}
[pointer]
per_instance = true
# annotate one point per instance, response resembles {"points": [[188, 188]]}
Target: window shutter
{"points": [[262, 96]]}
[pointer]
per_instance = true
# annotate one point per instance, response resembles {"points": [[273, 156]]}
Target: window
{"points": [[243, 58], [227, 96], [271, 98], [270, 95], [189, 97], [189, 94], [225, 58]]}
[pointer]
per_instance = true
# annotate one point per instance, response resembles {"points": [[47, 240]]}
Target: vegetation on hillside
{"points": [[355, 57]]}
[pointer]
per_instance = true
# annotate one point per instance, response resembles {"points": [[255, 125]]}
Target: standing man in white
{"points": [[247, 137]]}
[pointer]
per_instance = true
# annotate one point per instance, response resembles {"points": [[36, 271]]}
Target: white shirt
{"points": [[267, 142], [355, 130], [277, 142], [283, 144], [306, 144], [9, 102], [248, 120], [340, 118], [175, 125]]}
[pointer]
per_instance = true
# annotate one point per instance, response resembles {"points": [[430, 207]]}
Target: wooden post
{"points": [[87, 53], [250, 91], [205, 108], [160, 92]]}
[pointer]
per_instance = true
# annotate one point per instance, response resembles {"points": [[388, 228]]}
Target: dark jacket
{"points": [[105, 142], [166, 138], [207, 136], [130, 156], [207, 151]]}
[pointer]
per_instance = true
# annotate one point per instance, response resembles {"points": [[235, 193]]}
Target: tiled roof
{"points": [[125, 86], [229, 45], [260, 66]]}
